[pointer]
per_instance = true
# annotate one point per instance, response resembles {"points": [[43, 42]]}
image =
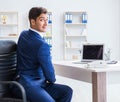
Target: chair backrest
{"points": [[7, 63]]}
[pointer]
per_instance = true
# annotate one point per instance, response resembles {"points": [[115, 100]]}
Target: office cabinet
{"points": [[75, 32], [8, 25]]}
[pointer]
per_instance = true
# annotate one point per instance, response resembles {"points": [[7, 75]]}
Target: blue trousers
{"points": [[51, 92]]}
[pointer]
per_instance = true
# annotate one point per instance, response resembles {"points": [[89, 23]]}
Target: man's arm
{"points": [[46, 63]]}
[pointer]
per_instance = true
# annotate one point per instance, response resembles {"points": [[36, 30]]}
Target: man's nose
{"points": [[46, 23]]}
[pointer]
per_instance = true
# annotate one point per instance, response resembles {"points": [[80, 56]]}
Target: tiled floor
{"points": [[82, 92]]}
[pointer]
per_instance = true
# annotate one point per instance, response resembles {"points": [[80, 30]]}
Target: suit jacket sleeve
{"points": [[44, 58]]}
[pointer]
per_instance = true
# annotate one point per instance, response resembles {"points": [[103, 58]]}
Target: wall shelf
{"points": [[8, 25], [75, 32]]}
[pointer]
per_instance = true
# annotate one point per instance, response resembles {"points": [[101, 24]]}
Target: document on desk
{"points": [[112, 62]]}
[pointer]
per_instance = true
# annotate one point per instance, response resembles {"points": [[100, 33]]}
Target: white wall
{"points": [[103, 20], [103, 26]]}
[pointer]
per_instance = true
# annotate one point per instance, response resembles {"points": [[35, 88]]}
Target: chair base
{"points": [[10, 100]]}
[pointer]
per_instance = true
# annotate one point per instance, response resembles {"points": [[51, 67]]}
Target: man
{"points": [[35, 69]]}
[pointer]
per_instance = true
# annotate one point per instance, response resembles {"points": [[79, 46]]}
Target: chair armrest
{"points": [[19, 86]]}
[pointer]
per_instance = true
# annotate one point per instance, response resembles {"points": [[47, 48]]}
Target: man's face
{"points": [[40, 24]]}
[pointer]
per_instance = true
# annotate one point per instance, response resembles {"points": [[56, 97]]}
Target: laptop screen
{"points": [[92, 52]]}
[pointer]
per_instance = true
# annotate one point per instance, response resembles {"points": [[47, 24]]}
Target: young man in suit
{"points": [[34, 65]]}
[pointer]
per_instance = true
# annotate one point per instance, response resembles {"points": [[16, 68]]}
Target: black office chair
{"points": [[7, 72]]}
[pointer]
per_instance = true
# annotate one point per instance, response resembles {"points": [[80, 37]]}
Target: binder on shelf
{"points": [[84, 17], [49, 18], [68, 18]]}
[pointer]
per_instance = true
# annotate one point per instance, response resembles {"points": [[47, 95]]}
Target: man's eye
{"points": [[41, 20]]}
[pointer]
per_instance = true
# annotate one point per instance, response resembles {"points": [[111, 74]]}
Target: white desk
{"points": [[97, 76]]}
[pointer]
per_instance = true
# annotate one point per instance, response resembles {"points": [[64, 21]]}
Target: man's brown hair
{"points": [[36, 11]]}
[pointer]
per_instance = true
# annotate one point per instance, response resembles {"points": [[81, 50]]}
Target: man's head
{"points": [[38, 18]]}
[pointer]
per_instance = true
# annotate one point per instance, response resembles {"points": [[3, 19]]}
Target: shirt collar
{"points": [[40, 33]]}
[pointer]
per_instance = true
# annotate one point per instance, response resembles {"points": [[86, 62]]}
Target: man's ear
{"points": [[32, 21]]}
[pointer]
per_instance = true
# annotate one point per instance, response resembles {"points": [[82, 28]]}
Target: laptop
{"points": [[92, 52]]}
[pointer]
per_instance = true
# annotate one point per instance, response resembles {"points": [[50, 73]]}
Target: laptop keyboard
{"points": [[86, 61], [82, 62]]}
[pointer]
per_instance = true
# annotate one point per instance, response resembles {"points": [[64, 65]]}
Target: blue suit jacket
{"points": [[34, 60]]}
